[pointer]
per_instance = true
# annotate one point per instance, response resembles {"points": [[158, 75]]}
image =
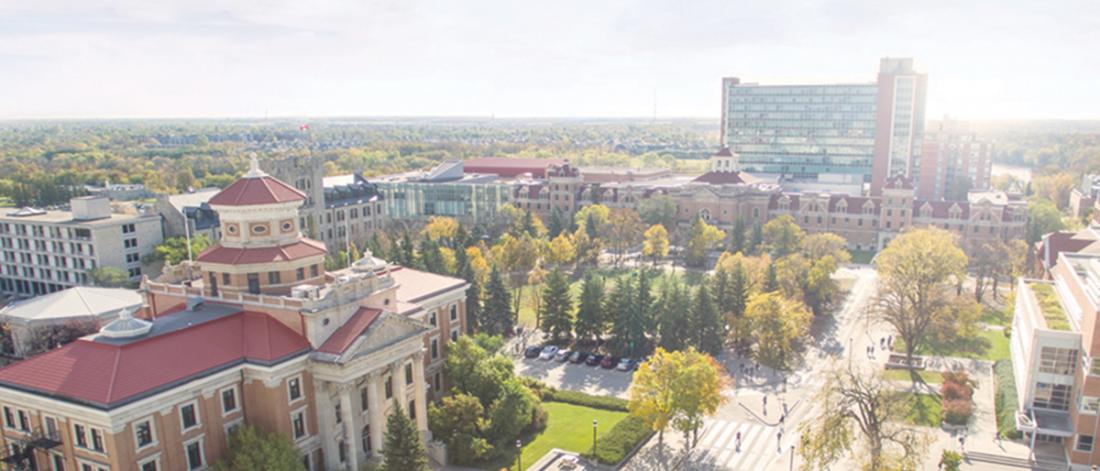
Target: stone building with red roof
{"points": [[261, 336]]}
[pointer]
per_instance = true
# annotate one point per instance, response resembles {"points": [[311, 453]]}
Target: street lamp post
{"points": [[850, 352], [792, 458], [519, 455], [595, 425]]}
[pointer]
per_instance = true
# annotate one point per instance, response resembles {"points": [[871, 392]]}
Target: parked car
{"points": [[625, 364], [578, 357], [563, 355], [548, 352], [532, 352], [594, 360], [608, 362]]}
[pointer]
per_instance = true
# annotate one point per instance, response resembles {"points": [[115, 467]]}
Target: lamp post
{"points": [[792, 458], [519, 455], [849, 352], [595, 425]]}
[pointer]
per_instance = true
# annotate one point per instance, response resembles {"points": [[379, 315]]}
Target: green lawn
{"points": [[862, 256], [1001, 317], [568, 427], [930, 377], [924, 409], [987, 345]]}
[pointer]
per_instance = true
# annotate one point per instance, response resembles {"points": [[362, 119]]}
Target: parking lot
{"points": [[576, 377]]}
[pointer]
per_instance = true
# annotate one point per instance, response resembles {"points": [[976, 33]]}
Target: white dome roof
{"points": [[126, 326]]}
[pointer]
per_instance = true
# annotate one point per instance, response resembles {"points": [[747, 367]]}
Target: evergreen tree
{"points": [[771, 281], [721, 286], [461, 239], [590, 226], [707, 324], [529, 224], [473, 295], [403, 451], [497, 317], [646, 309], [739, 290], [674, 322], [374, 244], [431, 259], [557, 224], [590, 314], [737, 238], [630, 325], [757, 241], [408, 258], [557, 306]]}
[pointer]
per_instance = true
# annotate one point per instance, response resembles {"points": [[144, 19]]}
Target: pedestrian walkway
{"points": [[718, 447]]}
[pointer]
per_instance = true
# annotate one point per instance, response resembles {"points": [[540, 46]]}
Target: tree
{"points": [[562, 251], [1043, 218], [497, 315], [817, 246], [403, 451], [174, 249], [558, 224], [659, 209], [473, 295], [440, 228], [591, 320], [861, 410], [702, 238], [757, 240], [511, 413], [459, 423], [535, 280], [986, 262], [656, 243], [707, 325], [915, 272], [738, 290], [674, 322], [737, 236], [253, 448], [593, 220], [531, 226], [782, 236], [109, 277], [557, 306], [628, 328], [821, 292], [677, 388], [624, 231], [51, 336], [778, 325]]}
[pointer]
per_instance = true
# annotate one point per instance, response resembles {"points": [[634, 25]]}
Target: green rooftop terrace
{"points": [[1049, 306]]}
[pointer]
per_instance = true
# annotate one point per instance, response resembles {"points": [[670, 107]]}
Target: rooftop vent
{"points": [[126, 326], [193, 303]]}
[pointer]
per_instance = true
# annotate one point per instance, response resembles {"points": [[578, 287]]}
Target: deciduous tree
{"points": [[253, 448], [779, 326], [656, 243], [782, 236], [459, 423], [702, 238]]}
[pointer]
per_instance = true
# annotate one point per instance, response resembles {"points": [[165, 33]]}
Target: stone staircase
{"points": [[1023, 463]]}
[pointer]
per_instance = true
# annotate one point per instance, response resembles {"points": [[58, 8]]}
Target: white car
{"points": [[548, 353], [625, 364]]}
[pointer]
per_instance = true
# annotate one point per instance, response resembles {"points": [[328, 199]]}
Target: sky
{"points": [[986, 59]]}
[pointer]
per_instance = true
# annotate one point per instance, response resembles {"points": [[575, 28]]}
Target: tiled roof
{"points": [[899, 182], [942, 209], [244, 256], [720, 178], [416, 285], [351, 330], [107, 375], [248, 191]]}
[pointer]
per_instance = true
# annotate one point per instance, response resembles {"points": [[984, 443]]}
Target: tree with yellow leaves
{"points": [[656, 243], [678, 388], [440, 228], [562, 251]]}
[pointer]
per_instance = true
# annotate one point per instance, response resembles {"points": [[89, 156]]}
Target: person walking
{"points": [[738, 447]]}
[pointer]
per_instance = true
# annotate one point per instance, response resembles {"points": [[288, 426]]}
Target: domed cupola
{"points": [[126, 326]]}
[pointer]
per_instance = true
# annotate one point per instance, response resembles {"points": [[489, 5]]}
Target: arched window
{"points": [[705, 214]]}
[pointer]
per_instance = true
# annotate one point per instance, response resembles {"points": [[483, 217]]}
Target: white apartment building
{"points": [[46, 251]]}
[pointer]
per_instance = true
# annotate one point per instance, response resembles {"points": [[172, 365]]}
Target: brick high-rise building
{"points": [[871, 130], [953, 162]]}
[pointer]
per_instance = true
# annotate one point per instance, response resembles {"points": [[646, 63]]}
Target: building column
{"points": [[400, 392], [325, 427], [420, 401], [351, 430], [374, 410]]}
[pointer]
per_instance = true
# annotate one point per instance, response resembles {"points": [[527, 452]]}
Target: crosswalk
{"points": [[717, 448]]}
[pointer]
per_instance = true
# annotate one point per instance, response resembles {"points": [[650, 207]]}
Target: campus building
{"points": [[449, 189], [952, 163], [47, 251], [871, 130], [262, 336], [1055, 350]]}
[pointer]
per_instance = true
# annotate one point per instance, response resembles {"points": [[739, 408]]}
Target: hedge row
{"points": [[613, 446], [586, 400], [1006, 403]]}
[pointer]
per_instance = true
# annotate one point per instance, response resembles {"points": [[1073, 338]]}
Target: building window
{"points": [[189, 416], [58, 461], [294, 388], [454, 312], [366, 439], [1051, 396], [143, 433], [438, 383], [432, 318], [51, 428], [454, 335], [1089, 405], [389, 387], [342, 448], [150, 464], [301, 275], [254, 283], [298, 421], [229, 400], [9, 418], [273, 278], [409, 374], [97, 440], [313, 270], [435, 349], [225, 279], [1060, 361], [412, 410], [80, 433], [193, 451], [364, 399], [1084, 443], [337, 410], [307, 463]]}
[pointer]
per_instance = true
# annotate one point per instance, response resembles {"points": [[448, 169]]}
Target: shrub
{"points": [[957, 412], [955, 391], [613, 446], [1006, 402], [586, 400], [951, 460]]}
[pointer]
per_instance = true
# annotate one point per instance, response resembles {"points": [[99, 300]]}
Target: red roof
{"points": [[724, 152], [720, 178], [256, 190], [107, 375], [351, 330], [510, 167], [244, 256]]}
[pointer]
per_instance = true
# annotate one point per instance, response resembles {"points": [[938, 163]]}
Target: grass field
{"points": [[568, 427], [924, 409], [987, 345], [930, 377]]}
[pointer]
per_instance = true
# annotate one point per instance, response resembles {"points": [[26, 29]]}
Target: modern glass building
{"points": [[444, 191], [802, 131]]}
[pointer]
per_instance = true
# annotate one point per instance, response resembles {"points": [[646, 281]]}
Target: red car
{"points": [[609, 362]]}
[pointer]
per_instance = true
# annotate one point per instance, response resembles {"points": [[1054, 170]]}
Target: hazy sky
{"points": [[196, 58]]}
